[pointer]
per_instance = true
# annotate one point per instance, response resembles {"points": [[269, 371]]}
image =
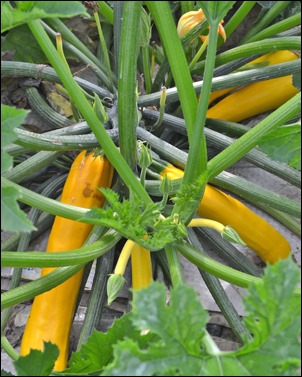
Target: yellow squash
{"points": [[141, 267], [255, 98], [52, 312], [256, 232]]}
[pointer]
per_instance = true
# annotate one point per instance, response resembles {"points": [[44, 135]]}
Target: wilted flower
{"points": [[190, 19]]}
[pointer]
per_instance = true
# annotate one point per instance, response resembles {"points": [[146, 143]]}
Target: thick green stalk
{"points": [[174, 265], [38, 286], [86, 110], [127, 81], [45, 204], [118, 7], [215, 268], [239, 17], [31, 165], [266, 20], [249, 140], [22, 69], [279, 27], [253, 48], [147, 70], [5, 344], [165, 24], [81, 255], [220, 297], [106, 11], [197, 148]]}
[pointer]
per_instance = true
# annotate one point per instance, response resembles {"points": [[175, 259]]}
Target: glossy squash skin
{"points": [[255, 98], [52, 312], [256, 232], [141, 267]]}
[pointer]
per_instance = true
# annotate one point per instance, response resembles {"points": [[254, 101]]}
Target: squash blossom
{"points": [[190, 19]]}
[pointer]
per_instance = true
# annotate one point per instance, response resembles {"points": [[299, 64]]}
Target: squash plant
{"points": [[154, 217]]}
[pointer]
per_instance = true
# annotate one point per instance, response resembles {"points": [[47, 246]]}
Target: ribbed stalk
{"points": [[278, 27], [220, 297], [215, 268], [22, 69], [41, 107], [31, 165], [89, 115], [127, 86], [65, 258], [253, 48], [266, 20], [230, 80], [246, 142]]}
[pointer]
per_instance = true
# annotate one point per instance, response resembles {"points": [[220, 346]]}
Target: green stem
{"points": [[106, 11], [198, 54], [81, 255], [86, 110], [147, 69], [174, 265], [239, 17], [31, 165], [253, 48], [279, 27], [165, 24], [249, 140], [127, 85], [271, 14], [220, 297], [45, 204], [230, 80], [215, 268], [8, 348], [38, 286], [104, 49]]}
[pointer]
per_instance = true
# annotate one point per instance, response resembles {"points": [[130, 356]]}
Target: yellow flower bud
{"points": [[188, 21]]}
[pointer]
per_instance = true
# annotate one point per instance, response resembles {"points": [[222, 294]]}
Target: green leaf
{"points": [[10, 119], [5, 373], [215, 10], [38, 363], [12, 17], [25, 47], [284, 144], [14, 219], [98, 351], [137, 221], [181, 327], [185, 349], [274, 319]]}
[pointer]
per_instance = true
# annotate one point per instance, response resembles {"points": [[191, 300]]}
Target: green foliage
{"points": [[284, 144], [15, 219], [177, 342], [33, 10], [5, 373], [10, 119], [136, 221], [98, 352], [38, 363], [25, 47], [215, 10]]}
